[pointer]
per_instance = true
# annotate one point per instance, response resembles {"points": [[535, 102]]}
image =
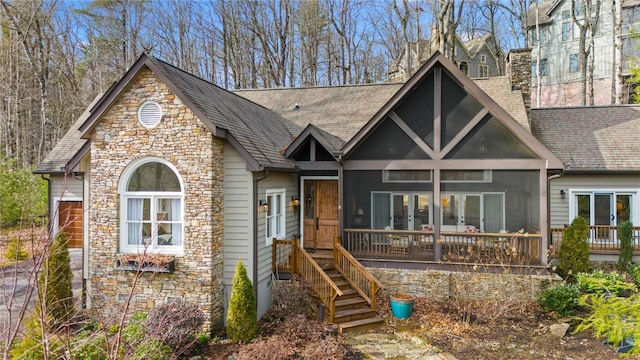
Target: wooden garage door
{"points": [[70, 221]]}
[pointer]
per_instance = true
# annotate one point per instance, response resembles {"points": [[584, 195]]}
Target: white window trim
{"points": [[155, 121], [635, 200], [283, 221], [125, 247], [483, 58]]}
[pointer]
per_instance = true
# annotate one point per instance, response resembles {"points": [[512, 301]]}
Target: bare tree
{"points": [[617, 53], [586, 27]]}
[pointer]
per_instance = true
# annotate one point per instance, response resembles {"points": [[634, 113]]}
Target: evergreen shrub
{"points": [[625, 234], [242, 317], [574, 250]]}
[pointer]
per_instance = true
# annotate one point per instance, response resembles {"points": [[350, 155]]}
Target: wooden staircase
{"points": [[349, 302], [352, 312]]}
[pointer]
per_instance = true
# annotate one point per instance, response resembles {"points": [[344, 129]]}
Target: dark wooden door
{"points": [[321, 213], [70, 222]]}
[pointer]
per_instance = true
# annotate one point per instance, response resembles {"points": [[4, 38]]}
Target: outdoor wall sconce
{"points": [[264, 205], [295, 203], [563, 194]]}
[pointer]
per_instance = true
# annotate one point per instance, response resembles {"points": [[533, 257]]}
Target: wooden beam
{"points": [[465, 130], [407, 130], [447, 164]]}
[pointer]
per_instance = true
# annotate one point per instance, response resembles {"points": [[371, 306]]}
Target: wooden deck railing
{"points": [[283, 256], [318, 280], [491, 248], [390, 244], [601, 238], [360, 279], [459, 247]]}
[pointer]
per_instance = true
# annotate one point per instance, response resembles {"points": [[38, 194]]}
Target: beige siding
{"points": [[559, 208], [65, 187], [237, 214], [289, 182]]}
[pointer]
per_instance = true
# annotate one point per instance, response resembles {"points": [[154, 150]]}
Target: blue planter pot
{"points": [[401, 305]]}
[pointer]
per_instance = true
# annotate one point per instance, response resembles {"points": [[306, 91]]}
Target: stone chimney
{"points": [[519, 73]]}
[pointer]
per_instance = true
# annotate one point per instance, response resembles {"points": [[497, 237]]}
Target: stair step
{"points": [[344, 316], [349, 303], [360, 325]]}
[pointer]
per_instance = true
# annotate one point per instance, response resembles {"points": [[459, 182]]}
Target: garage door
{"points": [[70, 221]]}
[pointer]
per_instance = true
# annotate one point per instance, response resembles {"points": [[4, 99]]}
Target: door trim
{"points": [[301, 196]]}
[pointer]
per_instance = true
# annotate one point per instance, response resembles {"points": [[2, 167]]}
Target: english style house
{"points": [[394, 175]]}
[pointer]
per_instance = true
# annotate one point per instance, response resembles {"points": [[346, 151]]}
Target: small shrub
{"points": [[54, 284], [600, 282], [134, 331], [612, 317], [175, 324], [634, 272], [574, 250], [151, 349], [31, 345], [625, 233], [242, 317], [15, 251], [561, 299], [89, 344]]}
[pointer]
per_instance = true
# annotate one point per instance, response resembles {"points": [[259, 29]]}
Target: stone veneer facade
{"points": [[182, 139]]}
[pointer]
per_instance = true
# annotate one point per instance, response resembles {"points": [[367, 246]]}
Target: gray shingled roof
{"points": [[499, 89], [265, 121], [343, 110], [338, 110], [70, 144], [602, 138], [260, 131], [543, 13]]}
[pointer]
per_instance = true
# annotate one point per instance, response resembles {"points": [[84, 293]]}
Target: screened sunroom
{"points": [[442, 173]]}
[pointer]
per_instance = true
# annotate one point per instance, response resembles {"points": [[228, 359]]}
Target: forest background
{"points": [[57, 55]]}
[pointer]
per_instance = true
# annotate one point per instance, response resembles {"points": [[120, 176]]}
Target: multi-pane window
{"points": [[151, 207], [567, 31], [605, 208], [275, 215], [483, 71], [573, 63], [543, 67]]}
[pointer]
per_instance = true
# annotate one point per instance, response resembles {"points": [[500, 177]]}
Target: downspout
{"points": [[264, 175], [48, 180]]}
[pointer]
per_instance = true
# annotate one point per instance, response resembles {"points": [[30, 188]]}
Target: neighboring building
{"points": [[478, 58], [558, 71], [173, 165]]}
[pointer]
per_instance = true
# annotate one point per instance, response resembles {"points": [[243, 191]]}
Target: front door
{"points": [[320, 213]]}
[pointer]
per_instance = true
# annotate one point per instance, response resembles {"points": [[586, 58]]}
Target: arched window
{"points": [[151, 207]]}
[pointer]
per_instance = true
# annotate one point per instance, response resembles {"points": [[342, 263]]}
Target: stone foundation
{"points": [[443, 285]]}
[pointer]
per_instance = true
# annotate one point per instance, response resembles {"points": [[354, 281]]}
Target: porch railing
{"points": [[459, 247], [360, 279], [283, 256], [491, 248], [319, 281], [601, 238], [390, 244]]}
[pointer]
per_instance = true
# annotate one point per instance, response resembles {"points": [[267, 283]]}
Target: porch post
{"points": [[437, 250], [544, 216]]}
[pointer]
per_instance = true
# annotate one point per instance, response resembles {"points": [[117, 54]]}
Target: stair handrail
{"points": [[318, 280], [356, 275]]}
